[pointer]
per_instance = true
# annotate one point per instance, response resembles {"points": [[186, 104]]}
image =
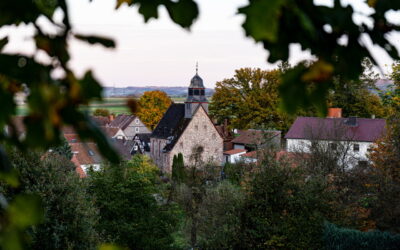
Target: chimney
{"points": [[334, 113], [111, 117]]}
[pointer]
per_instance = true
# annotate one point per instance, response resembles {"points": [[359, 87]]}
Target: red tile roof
{"points": [[122, 121], [234, 151], [86, 153]]}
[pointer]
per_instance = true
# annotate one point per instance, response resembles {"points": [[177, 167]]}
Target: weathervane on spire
{"points": [[197, 67]]}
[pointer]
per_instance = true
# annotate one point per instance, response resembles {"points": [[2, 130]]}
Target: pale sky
{"points": [[161, 53]]}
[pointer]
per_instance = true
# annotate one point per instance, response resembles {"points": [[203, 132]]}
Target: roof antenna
{"points": [[197, 67]]}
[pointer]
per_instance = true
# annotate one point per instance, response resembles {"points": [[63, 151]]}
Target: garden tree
{"points": [[250, 99], [178, 169], [152, 106], [283, 210], [385, 159], [132, 212], [101, 112], [355, 96], [69, 212]]}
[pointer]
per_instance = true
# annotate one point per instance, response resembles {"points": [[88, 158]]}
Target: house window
{"points": [[314, 144], [356, 147], [363, 163], [137, 121], [196, 127], [333, 146], [137, 130]]}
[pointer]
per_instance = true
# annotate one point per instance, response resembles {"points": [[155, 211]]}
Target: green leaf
{"points": [[106, 42], [183, 12], [25, 210], [262, 19]]}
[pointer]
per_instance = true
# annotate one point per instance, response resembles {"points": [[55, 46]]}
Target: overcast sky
{"points": [[161, 53]]}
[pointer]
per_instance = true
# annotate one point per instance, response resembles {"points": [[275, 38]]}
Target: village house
{"points": [[254, 139], [185, 127], [129, 126], [354, 136], [141, 144]]}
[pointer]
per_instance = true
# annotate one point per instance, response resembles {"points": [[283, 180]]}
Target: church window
{"points": [[205, 127], [137, 129], [196, 127], [202, 92], [190, 91], [181, 144], [214, 136], [196, 92]]}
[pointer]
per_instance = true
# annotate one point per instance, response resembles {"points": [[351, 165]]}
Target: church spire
{"points": [[197, 68]]}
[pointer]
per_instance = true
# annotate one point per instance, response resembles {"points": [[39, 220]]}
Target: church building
{"points": [[184, 127]]}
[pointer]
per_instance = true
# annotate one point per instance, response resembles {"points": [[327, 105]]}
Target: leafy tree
{"points": [[391, 97], [250, 99], [69, 213], [385, 159], [355, 96], [283, 210], [101, 112], [152, 106], [219, 216], [132, 211]]}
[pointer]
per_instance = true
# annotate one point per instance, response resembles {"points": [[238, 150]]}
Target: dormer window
{"points": [[91, 153]]}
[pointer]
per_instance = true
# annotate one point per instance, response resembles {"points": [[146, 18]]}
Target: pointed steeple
{"points": [[196, 95]]}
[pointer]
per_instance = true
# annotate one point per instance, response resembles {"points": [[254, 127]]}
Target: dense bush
{"points": [[342, 238]]}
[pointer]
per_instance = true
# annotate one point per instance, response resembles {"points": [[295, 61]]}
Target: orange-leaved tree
{"points": [[152, 106]]}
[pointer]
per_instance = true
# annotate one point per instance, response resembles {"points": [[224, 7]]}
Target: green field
{"points": [[115, 105]]}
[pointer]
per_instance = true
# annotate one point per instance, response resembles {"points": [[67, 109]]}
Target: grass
{"points": [[115, 105]]}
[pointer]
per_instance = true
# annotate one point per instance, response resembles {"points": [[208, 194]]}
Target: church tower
{"points": [[196, 96]]}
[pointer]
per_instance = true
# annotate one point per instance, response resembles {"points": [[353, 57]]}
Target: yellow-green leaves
{"points": [[262, 19]]}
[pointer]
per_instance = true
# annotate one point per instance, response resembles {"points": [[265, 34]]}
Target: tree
{"points": [[355, 96], [101, 112], [385, 159], [250, 99], [283, 210], [131, 209], [152, 106], [69, 213], [63, 150], [178, 169]]}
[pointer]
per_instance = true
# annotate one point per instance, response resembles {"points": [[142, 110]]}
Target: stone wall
{"points": [[199, 132]]}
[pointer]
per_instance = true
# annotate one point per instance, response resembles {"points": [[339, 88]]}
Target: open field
{"points": [[115, 105]]}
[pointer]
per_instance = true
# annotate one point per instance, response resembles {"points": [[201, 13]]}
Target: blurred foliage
{"points": [[356, 97], [152, 106], [391, 97], [332, 35], [178, 169]]}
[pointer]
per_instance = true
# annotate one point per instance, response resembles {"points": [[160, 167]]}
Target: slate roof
{"points": [[101, 120], [337, 129], [254, 137], [196, 82], [122, 121]]}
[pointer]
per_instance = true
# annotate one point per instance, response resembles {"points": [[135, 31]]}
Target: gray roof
{"points": [[196, 82], [337, 129]]}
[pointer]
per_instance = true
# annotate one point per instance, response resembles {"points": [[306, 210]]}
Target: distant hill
{"points": [[137, 91]]}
